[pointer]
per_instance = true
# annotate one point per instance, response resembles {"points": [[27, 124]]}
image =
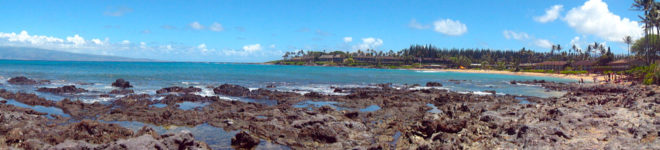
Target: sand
{"points": [[585, 77]]}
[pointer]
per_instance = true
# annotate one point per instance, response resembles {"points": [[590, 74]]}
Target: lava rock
{"points": [[69, 89], [122, 91], [121, 83], [176, 89], [433, 84], [243, 140], [21, 80], [231, 90]]}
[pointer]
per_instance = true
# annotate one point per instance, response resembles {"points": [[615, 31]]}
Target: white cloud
{"points": [[252, 48], [595, 18], [125, 48], [416, 25], [99, 42], [369, 43], [450, 27], [202, 47], [33, 39], [76, 40], [576, 41], [195, 25], [272, 46], [543, 43], [217, 27], [508, 34], [348, 39], [551, 14]]}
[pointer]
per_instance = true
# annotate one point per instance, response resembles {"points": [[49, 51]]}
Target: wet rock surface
{"points": [[176, 89], [122, 91], [231, 90], [121, 83], [69, 89], [588, 116], [243, 140], [22, 128], [433, 84], [21, 80]]}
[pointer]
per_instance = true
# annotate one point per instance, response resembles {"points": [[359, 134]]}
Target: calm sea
{"points": [[147, 77]]}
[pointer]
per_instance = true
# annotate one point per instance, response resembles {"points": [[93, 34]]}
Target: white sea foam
{"points": [[227, 98], [99, 99], [205, 91], [523, 84], [479, 93], [428, 71], [426, 88], [319, 88]]}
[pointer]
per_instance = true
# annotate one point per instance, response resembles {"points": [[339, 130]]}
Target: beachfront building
{"points": [[552, 65], [389, 60], [526, 66], [624, 64], [364, 59], [331, 58], [435, 61], [475, 65], [587, 65]]}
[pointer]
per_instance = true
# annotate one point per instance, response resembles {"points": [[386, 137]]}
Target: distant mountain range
{"points": [[24, 53]]}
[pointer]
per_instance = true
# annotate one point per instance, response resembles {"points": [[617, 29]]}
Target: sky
{"points": [[262, 30]]}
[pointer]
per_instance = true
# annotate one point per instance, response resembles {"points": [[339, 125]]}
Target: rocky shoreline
{"points": [[589, 116]]}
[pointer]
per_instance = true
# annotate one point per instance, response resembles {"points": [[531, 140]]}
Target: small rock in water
{"points": [[21, 80], [231, 90], [121, 83], [176, 89], [71, 89], [243, 140], [433, 84]]}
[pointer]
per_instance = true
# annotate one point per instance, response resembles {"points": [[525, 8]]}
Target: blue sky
{"points": [[257, 31]]}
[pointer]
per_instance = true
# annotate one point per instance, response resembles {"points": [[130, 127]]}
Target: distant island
{"points": [[24, 53]]}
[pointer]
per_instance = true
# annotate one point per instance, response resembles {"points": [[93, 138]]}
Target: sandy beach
{"points": [[586, 77]]}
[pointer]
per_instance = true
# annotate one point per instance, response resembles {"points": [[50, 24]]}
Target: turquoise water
{"points": [[42, 109], [147, 77]]}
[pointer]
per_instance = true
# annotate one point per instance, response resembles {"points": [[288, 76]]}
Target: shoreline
{"points": [[587, 78]]}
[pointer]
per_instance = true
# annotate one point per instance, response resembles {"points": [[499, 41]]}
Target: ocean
{"points": [[147, 77]]}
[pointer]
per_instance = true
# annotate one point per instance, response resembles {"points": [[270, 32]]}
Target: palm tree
{"points": [[552, 51], [588, 52], [628, 40], [649, 7], [558, 48], [573, 49]]}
